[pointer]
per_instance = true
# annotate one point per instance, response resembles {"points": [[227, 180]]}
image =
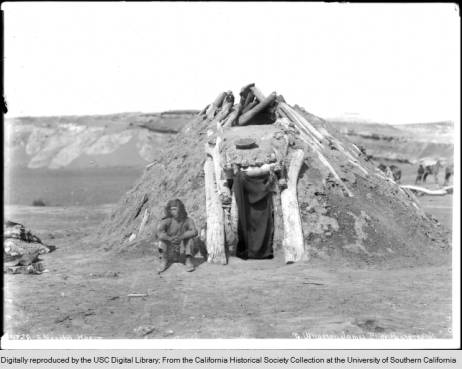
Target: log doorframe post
{"points": [[293, 242], [215, 239]]}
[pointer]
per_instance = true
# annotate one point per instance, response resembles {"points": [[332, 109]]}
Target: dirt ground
{"points": [[84, 293]]}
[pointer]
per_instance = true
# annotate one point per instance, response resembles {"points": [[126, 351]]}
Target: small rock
{"points": [[169, 332], [144, 330]]}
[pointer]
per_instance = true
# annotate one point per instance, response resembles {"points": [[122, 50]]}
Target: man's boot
{"points": [[188, 263], [163, 264]]}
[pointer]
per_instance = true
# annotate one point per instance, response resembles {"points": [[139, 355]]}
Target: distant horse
{"points": [[448, 173], [432, 169], [420, 173], [391, 171]]}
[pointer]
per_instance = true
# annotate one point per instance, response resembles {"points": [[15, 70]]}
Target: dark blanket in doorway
{"points": [[254, 202]]}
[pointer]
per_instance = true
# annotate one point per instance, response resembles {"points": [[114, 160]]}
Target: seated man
{"points": [[176, 233]]}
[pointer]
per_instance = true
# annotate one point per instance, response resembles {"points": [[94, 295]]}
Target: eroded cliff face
{"points": [[136, 139], [409, 143], [129, 139]]}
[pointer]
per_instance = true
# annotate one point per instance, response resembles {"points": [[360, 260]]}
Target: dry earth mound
{"points": [[349, 211]]}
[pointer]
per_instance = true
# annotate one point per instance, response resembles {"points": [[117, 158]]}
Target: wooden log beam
{"points": [[218, 162], [248, 99], [306, 124], [226, 107], [258, 94], [249, 106], [426, 191], [215, 105], [292, 243], [315, 144], [258, 171], [246, 95], [245, 118], [245, 90], [232, 117], [144, 221], [215, 239], [301, 122], [203, 111]]}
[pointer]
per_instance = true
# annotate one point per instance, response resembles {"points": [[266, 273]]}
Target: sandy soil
{"points": [[84, 293]]}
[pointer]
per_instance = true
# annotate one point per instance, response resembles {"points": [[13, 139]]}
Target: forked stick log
{"points": [[215, 223], [293, 235], [244, 118]]}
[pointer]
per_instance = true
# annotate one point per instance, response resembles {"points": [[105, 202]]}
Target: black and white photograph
{"points": [[235, 175]]}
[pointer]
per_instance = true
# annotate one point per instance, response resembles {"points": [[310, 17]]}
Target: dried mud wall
{"points": [[176, 173], [380, 223]]}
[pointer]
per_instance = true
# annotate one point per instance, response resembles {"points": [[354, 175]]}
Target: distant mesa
{"points": [[79, 142], [135, 139]]}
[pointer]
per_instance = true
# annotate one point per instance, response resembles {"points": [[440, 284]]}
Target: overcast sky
{"points": [[388, 62]]}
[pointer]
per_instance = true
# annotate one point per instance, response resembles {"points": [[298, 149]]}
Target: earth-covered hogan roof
{"points": [[350, 212]]}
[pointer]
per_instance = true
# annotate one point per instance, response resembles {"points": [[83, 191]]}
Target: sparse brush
{"points": [[38, 202]]}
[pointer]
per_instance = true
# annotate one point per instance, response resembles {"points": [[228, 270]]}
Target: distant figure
{"points": [[432, 169], [420, 173], [392, 171], [448, 173], [396, 171], [176, 233], [382, 167], [363, 153]]}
